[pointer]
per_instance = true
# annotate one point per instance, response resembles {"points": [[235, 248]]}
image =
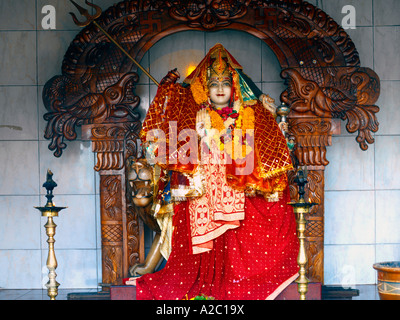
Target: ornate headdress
{"points": [[218, 62], [219, 68]]}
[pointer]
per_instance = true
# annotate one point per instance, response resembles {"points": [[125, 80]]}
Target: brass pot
{"points": [[388, 280]]}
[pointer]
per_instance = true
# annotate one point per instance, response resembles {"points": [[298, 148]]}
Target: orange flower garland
{"points": [[245, 122]]}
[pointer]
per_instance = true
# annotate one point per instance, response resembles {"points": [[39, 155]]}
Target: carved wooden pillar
{"points": [[121, 229], [313, 135]]}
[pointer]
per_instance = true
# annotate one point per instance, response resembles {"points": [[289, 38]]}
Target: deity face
{"points": [[220, 91]]}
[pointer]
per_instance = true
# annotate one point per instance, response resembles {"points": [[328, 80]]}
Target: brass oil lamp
{"points": [[50, 211], [301, 208]]}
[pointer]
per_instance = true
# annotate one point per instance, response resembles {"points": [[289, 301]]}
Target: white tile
{"points": [[387, 252], [73, 171], [20, 269], [349, 168], [19, 222], [18, 113], [179, 50], [347, 265], [76, 224], [386, 57], [387, 155], [19, 168], [18, 58], [389, 116], [17, 15], [244, 47], [76, 268], [386, 12], [349, 217], [387, 216]]}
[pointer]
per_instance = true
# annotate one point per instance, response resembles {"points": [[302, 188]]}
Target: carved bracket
{"points": [[313, 135]]}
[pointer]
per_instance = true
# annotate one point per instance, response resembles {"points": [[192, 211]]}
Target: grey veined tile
{"points": [[73, 171], [19, 168], [19, 222], [18, 113], [387, 216], [389, 115], [18, 58], [386, 49], [350, 168], [349, 217], [17, 15], [21, 269], [387, 155], [386, 12]]}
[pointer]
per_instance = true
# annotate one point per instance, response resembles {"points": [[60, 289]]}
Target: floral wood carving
{"points": [[208, 14], [350, 98]]}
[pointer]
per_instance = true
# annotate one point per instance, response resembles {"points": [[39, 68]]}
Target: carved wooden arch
{"points": [[320, 65]]}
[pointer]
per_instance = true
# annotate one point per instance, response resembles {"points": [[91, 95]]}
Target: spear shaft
{"points": [[92, 18], [126, 53]]}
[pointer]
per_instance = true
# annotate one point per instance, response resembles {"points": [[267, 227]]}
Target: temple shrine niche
{"points": [[325, 84]]}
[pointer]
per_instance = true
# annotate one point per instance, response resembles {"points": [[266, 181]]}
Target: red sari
{"points": [[257, 260]]}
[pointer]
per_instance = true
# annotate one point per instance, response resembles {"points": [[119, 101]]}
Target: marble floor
{"points": [[367, 292]]}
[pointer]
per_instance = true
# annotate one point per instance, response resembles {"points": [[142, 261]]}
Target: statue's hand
{"points": [[283, 126], [202, 119], [268, 103]]}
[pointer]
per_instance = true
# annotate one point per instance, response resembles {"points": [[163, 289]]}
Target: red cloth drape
{"points": [[254, 261]]}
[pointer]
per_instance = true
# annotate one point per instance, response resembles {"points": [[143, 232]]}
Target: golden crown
{"points": [[219, 68]]}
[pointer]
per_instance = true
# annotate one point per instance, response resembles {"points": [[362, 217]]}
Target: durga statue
{"points": [[221, 193]]}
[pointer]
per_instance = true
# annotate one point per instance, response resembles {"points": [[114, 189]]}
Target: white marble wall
{"points": [[362, 188]]}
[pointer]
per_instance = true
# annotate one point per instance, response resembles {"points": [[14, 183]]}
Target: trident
{"points": [[92, 18]]}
